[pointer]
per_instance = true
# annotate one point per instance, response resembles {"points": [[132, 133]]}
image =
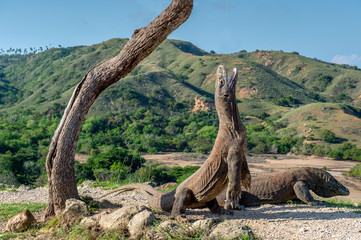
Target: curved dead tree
{"points": [[60, 158]]}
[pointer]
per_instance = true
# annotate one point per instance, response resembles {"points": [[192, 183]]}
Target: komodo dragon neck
{"points": [[230, 124], [229, 120]]}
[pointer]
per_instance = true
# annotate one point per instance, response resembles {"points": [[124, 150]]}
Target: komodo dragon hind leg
{"points": [[303, 193], [183, 197]]}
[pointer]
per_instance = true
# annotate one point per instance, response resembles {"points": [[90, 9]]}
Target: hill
{"points": [[339, 81], [270, 82], [311, 119], [290, 103]]}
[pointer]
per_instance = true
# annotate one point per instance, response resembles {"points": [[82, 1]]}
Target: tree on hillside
{"points": [[60, 158]]}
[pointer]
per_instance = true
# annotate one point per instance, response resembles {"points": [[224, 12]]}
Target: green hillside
{"points": [[270, 82], [178, 69], [289, 103], [339, 81], [309, 120]]}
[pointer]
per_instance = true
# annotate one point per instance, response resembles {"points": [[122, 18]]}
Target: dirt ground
{"points": [[267, 164]]}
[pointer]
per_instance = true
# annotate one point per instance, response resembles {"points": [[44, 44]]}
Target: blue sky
{"points": [[329, 30]]}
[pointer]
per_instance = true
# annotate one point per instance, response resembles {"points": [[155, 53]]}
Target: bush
{"points": [[320, 150], [115, 165], [346, 151], [182, 174], [160, 175], [355, 171], [107, 159], [328, 136]]}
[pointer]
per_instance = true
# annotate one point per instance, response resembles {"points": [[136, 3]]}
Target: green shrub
{"points": [[356, 171], [328, 136], [115, 165], [160, 175], [346, 151], [321, 150], [188, 171]]}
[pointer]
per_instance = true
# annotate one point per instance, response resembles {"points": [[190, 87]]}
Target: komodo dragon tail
{"points": [[152, 195]]}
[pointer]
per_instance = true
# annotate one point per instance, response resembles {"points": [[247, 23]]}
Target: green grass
{"points": [[342, 203], [7, 210]]}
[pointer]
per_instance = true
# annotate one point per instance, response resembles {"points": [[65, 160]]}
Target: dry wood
{"points": [[60, 158]]}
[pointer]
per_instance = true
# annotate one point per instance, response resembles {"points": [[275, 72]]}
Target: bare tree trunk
{"points": [[60, 158]]}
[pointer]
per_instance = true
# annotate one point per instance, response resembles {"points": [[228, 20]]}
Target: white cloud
{"points": [[352, 60]]}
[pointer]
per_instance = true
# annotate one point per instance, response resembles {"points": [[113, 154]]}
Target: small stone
{"points": [[201, 224], [75, 209], [87, 184], [91, 221], [231, 230], [167, 225], [119, 219], [140, 221], [106, 204], [20, 222], [23, 188]]}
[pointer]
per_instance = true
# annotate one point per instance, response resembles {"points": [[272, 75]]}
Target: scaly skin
{"points": [[225, 169], [290, 185]]}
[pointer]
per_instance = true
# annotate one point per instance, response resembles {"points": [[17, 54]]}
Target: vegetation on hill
{"points": [[290, 103]]}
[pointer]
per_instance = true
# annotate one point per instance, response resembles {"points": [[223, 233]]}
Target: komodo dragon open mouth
{"points": [[230, 83]]}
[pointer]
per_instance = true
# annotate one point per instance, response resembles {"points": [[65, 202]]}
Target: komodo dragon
{"points": [[225, 169], [290, 185], [275, 188]]}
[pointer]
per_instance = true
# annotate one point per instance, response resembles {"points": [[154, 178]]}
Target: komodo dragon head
{"points": [[325, 185], [225, 96]]}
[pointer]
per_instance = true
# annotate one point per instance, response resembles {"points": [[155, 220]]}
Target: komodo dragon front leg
{"points": [[238, 174], [303, 193], [185, 197]]}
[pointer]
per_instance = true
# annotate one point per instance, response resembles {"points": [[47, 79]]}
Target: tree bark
{"points": [[60, 158]]}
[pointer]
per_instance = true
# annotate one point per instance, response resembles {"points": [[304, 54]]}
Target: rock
{"points": [[88, 222], [20, 221], [139, 222], [23, 188], [204, 223], [75, 209], [92, 221], [119, 219], [167, 225], [230, 230], [106, 204], [87, 184]]}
